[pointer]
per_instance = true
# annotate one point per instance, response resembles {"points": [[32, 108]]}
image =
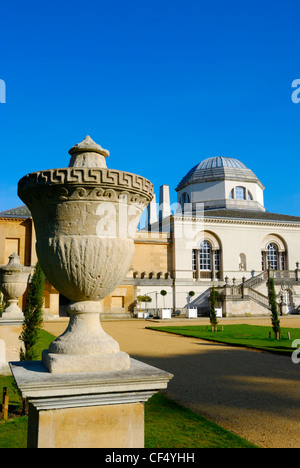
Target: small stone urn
{"points": [[13, 283], [85, 218]]}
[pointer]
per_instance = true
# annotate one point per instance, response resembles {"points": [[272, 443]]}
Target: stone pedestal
{"points": [[9, 344], [87, 410]]}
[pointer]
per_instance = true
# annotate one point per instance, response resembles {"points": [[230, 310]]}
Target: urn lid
{"points": [[14, 264], [88, 145], [88, 154]]}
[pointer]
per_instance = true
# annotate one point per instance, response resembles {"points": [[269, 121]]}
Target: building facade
{"points": [[220, 235]]}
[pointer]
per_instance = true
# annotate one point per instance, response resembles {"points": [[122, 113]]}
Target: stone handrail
{"points": [[259, 297], [258, 279]]}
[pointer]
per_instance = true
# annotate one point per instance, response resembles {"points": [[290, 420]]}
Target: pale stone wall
{"points": [[152, 253], [244, 309], [235, 238], [119, 302], [158, 301]]}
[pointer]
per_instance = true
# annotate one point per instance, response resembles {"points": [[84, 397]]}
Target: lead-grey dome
{"points": [[220, 161], [217, 168]]}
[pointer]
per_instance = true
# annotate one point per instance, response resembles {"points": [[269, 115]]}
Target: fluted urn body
{"points": [[85, 218], [13, 283]]}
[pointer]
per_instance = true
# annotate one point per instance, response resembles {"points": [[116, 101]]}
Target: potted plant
{"points": [[164, 313], [191, 312], [144, 299]]}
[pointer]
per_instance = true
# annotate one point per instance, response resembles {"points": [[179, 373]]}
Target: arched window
{"points": [[206, 261], [274, 253], [272, 256], [240, 193], [184, 199]]}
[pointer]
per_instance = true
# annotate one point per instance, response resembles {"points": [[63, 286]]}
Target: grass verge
{"points": [[170, 425], [167, 424], [250, 336]]}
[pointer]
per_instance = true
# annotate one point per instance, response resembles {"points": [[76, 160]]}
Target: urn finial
{"points": [[14, 259], [88, 154]]}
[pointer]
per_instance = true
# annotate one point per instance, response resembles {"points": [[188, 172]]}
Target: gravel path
{"points": [[253, 394]]}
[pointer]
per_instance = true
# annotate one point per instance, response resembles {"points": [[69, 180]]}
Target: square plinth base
{"points": [[87, 410], [110, 426]]}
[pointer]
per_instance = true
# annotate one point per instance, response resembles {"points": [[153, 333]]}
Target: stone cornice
{"points": [[51, 391], [254, 222], [13, 218]]}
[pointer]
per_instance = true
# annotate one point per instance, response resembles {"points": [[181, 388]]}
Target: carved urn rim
{"points": [[87, 170]]}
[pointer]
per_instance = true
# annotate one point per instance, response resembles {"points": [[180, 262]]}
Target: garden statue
{"points": [[13, 284], [85, 218]]}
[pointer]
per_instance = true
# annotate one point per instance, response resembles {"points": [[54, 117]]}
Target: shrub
{"points": [[273, 305], [33, 315], [212, 308]]}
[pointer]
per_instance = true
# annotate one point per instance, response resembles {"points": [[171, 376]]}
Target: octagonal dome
{"points": [[221, 182], [218, 168]]}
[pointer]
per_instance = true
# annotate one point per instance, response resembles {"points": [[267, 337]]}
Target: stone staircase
{"points": [[241, 299]]}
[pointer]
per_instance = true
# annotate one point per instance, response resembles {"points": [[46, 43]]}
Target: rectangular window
{"points": [[117, 301], [11, 246], [282, 261], [194, 262], [204, 259], [272, 257], [217, 260], [263, 261]]}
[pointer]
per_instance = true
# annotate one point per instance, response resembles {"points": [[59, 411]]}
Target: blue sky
{"points": [[162, 85]]}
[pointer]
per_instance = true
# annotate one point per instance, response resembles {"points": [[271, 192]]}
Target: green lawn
{"points": [[251, 336], [167, 424], [44, 341]]}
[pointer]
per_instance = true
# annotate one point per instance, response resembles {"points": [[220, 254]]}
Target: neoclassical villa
{"points": [[219, 234]]}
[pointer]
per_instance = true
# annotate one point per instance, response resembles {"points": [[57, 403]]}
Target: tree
{"points": [[33, 315], [191, 294], [212, 308], [273, 305], [144, 298]]}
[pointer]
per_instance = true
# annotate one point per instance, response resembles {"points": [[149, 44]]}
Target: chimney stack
{"points": [[152, 212], [164, 202]]}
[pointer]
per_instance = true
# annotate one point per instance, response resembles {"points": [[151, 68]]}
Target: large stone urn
{"points": [[13, 283], [85, 218]]}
